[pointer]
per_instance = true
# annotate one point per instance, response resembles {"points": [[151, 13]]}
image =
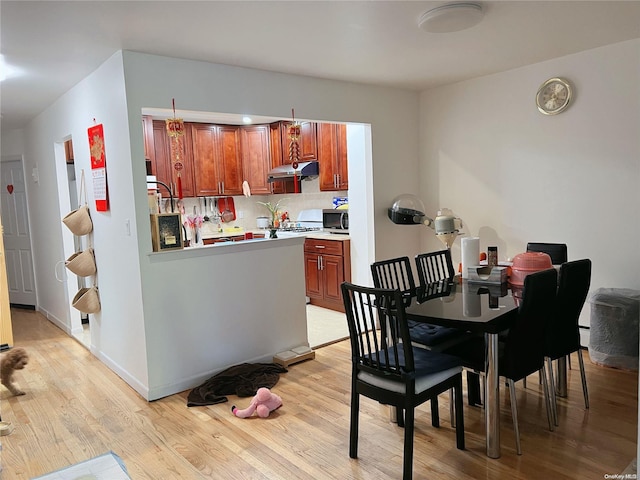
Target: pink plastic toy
{"points": [[263, 403]]}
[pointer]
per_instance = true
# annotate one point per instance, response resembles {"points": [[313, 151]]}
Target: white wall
{"points": [[12, 143], [514, 175], [117, 333]]}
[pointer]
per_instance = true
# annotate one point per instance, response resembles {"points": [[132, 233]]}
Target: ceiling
{"points": [[56, 44]]}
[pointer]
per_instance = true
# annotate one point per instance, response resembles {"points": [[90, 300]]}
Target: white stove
{"points": [[308, 221]]}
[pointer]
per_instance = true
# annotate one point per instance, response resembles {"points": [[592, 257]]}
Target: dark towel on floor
{"points": [[242, 380]]}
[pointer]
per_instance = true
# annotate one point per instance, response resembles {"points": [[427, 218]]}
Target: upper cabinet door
{"points": [[256, 159], [230, 160], [205, 150], [332, 157], [216, 151], [308, 142]]}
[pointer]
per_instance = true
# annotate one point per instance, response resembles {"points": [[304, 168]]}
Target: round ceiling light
{"points": [[451, 17]]}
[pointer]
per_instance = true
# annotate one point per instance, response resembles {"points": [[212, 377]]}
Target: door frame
{"points": [[68, 278]]}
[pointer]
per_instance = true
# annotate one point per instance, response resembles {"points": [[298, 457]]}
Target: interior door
{"points": [[17, 239]]}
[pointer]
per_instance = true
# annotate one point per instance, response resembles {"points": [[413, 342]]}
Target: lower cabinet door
{"points": [[333, 271], [313, 275]]}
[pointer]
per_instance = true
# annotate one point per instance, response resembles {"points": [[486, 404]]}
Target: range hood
{"points": [[285, 172]]}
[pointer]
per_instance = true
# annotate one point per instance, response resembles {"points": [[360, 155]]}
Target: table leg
{"points": [[561, 377], [393, 414], [492, 396]]}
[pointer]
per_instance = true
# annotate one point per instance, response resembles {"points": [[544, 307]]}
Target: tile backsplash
{"points": [[249, 209]]}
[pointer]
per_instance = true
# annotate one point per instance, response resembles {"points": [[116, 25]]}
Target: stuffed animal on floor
{"points": [[263, 403]]}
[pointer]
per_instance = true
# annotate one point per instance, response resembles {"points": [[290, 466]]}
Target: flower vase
{"points": [[273, 233], [196, 237]]}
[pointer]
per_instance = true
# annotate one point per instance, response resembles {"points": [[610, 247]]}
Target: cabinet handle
{"points": [[321, 262], [320, 246], [318, 262], [222, 186]]}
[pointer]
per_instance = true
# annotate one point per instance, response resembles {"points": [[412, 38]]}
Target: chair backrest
{"points": [[393, 274], [434, 266], [563, 335], [378, 330], [557, 251], [524, 349]]}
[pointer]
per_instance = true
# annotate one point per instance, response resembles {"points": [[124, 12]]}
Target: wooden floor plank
{"points": [[76, 408]]}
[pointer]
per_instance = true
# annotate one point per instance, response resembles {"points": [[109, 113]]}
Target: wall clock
{"points": [[554, 96]]}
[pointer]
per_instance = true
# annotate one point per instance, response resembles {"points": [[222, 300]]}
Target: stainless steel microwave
{"points": [[336, 221]]}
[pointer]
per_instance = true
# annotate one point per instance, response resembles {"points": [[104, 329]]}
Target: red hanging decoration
{"points": [[175, 130], [294, 149]]}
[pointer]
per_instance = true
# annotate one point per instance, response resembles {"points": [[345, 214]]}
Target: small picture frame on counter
{"points": [[166, 232]]}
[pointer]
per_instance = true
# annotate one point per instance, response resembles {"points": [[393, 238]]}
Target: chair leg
{"points": [[459, 414], [552, 389], [452, 410], [407, 470], [584, 379], [435, 414], [524, 382], [547, 398], [569, 361], [353, 436], [514, 415]]}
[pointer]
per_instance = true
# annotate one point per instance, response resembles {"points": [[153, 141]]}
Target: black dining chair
{"points": [[557, 251], [434, 267], [396, 273], [388, 369], [522, 353], [562, 336]]}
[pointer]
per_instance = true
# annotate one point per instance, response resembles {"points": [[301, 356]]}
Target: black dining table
{"points": [[479, 308]]}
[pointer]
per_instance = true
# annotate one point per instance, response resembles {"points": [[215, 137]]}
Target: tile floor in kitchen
{"points": [[325, 326]]}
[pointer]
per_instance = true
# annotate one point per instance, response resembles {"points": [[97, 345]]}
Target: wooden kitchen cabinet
{"points": [[217, 159], [68, 151], [279, 149], [256, 157], [308, 142], [162, 167], [327, 263], [332, 157]]}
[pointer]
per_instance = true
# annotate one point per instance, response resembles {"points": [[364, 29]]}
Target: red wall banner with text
{"points": [[98, 167]]}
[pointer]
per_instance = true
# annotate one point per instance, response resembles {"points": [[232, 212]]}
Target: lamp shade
{"points": [[451, 17]]}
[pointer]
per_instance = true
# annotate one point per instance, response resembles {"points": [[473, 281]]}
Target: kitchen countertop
{"points": [[329, 236], [239, 232]]}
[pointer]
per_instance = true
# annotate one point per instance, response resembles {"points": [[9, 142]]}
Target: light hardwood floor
{"points": [[76, 408]]}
